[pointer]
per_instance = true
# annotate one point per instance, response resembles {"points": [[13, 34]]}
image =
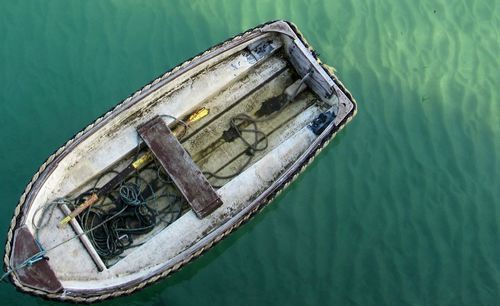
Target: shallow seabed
{"points": [[401, 209]]}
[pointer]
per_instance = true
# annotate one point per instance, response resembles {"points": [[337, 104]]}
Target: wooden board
{"points": [[180, 167], [39, 275]]}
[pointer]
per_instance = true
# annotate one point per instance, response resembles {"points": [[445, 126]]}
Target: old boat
{"points": [[174, 168]]}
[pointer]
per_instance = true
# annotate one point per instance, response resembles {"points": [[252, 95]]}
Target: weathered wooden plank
{"points": [[39, 275], [180, 167], [303, 61]]}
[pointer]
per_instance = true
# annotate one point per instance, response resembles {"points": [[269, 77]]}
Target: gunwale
{"points": [[263, 199]]}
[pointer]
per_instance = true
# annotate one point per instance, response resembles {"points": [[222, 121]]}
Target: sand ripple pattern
{"points": [[401, 209]]}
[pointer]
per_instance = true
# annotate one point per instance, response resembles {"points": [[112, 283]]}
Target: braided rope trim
{"points": [[258, 206]]}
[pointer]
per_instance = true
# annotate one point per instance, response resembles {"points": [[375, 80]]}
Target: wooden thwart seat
{"points": [[179, 165]]}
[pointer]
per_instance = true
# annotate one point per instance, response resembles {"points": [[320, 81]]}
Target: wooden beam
{"points": [[85, 240], [180, 166]]}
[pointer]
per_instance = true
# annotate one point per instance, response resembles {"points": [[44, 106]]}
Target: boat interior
{"points": [[262, 105]]}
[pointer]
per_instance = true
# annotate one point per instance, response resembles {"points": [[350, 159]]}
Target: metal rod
{"points": [[85, 240]]}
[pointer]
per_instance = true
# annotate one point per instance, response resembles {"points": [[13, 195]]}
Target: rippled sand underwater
{"points": [[401, 208]]}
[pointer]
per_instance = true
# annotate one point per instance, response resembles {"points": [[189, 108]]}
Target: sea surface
{"points": [[402, 208]]}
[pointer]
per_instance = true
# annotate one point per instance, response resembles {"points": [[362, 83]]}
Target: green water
{"points": [[400, 209]]}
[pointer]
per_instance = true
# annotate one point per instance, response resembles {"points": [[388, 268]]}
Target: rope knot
{"points": [[250, 151], [131, 194], [35, 259]]}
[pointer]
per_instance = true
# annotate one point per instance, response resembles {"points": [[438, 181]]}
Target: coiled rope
{"points": [[133, 201], [131, 206], [259, 140]]}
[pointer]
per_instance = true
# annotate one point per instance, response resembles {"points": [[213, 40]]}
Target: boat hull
{"points": [[17, 230]]}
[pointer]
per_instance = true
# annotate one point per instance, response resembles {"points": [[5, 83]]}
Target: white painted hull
{"points": [[228, 79]]}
